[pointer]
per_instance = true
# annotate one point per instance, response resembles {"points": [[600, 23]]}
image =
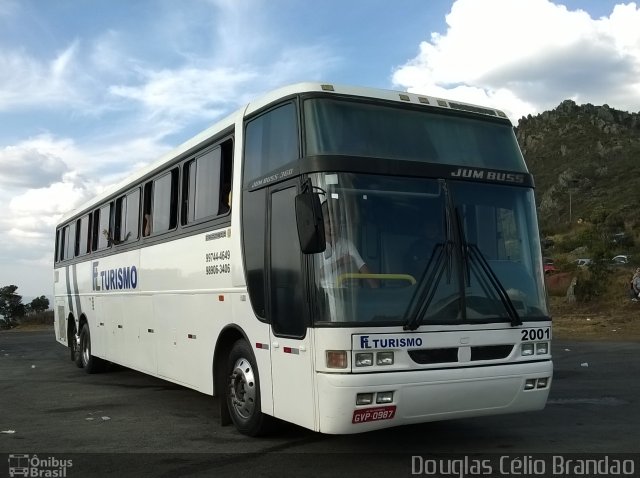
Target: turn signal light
{"points": [[336, 359]]}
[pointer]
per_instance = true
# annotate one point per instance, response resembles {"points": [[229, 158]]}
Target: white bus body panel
{"points": [[168, 324], [429, 392], [431, 395], [292, 363]]}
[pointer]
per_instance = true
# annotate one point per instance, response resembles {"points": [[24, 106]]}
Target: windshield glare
{"points": [[394, 252]]}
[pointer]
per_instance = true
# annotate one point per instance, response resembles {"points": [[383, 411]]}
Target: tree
{"points": [[39, 304], [11, 306]]}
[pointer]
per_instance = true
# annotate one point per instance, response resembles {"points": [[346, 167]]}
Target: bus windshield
{"points": [[427, 251], [334, 126]]}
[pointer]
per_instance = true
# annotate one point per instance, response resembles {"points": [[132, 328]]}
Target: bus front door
{"points": [[291, 340]]}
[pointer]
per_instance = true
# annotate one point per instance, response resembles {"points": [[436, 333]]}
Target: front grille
{"points": [[430, 356], [490, 352], [450, 354]]}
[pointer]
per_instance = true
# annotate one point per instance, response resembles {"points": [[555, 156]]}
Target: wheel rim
{"points": [[242, 388], [86, 350]]}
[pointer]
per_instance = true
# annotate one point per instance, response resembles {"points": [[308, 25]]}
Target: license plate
{"points": [[373, 414]]}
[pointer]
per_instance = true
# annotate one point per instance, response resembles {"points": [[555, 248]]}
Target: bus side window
{"points": [[83, 245], [95, 229], [161, 207], [64, 243], [146, 210], [131, 220], [127, 216], [225, 189], [105, 231], [56, 255], [271, 141], [201, 187]]}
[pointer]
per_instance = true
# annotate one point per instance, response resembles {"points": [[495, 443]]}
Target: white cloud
{"points": [[28, 165], [26, 82], [526, 56], [186, 92], [55, 199]]}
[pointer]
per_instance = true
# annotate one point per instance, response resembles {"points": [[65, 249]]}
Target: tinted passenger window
{"points": [[82, 247], [65, 242], [56, 255], [271, 141], [163, 211], [128, 217], [104, 229], [132, 219], [202, 188]]}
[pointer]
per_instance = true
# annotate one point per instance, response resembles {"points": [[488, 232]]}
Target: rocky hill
{"points": [[589, 154]]}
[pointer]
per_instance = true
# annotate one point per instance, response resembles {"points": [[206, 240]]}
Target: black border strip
{"points": [[68, 289], [76, 291]]}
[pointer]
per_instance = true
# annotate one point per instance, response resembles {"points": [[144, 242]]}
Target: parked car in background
{"points": [[548, 265], [547, 242], [583, 262], [622, 239], [621, 259]]}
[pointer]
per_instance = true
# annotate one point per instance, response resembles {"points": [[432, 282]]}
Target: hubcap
{"points": [[76, 342], [86, 351], [242, 388]]}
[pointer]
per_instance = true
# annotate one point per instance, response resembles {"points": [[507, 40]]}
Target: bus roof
{"points": [[265, 100]]}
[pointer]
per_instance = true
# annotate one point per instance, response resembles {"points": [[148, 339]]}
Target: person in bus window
{"points": [[341, 255], [146, 225], [225, 204]]}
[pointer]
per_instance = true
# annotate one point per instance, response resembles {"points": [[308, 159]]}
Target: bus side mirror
{"points": [[310, 223]]}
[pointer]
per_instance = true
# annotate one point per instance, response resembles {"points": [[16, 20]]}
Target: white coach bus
{"points": [[345, 259]]}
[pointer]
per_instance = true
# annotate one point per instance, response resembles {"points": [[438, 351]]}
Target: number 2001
{"points": [[535, 334]]}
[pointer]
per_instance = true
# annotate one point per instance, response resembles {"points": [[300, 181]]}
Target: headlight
{"points": [[364, 399], [364, 359], [542, 348], [384, 397], [527, 349], [384, 358]]}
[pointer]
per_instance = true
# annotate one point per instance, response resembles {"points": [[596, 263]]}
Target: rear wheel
{"points": [[243, 391], [74, 346], [90, 363]]}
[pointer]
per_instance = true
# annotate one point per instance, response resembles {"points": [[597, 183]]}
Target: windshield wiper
{"points": [[429, 281], [476, 253]]}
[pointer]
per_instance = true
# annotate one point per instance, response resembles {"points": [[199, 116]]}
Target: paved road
{"points": [[131, 424]]}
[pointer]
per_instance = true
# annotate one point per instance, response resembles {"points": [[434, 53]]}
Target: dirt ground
{"points": [[619, 322]]}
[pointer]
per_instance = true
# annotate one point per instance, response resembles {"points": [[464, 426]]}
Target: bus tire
{"points": [[74, 348], [242, 391], [90, 363]]}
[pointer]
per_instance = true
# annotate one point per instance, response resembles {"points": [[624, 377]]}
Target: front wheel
{"points": [[243, 391], [90, 363]]}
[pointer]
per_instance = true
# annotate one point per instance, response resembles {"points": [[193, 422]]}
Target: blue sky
{"points": [[92, 90]]}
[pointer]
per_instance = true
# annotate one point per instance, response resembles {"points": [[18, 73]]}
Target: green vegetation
{"points": [[14, 312], [583, 158], [586, 164]]}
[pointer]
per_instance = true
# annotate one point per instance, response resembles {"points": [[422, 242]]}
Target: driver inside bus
{"points": [[340, 256]]}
